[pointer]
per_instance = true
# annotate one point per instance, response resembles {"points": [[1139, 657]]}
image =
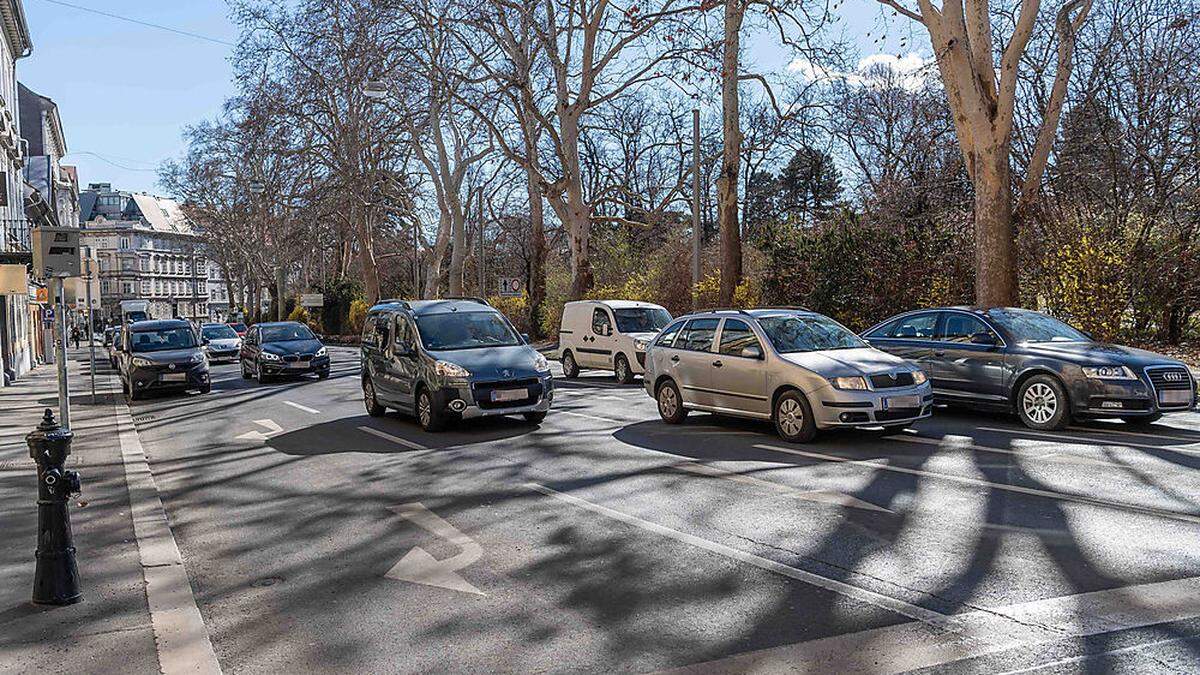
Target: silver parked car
{"points": [[800, 369]]}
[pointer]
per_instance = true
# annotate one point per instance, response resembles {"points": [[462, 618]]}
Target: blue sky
{"points": [[125, 91]]}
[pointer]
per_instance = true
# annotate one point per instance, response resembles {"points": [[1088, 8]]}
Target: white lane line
{"points": [[395, 439], [302, 407], [926, 616], [1142, 434], [180, 636], [1090, 501], [1062, 457], [1046, 666], [1080, 440], [907, 647], [590, 417]]}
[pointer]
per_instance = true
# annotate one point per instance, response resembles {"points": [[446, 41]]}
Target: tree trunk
{"points": [[727, 182], [995, 234], [578, 212], [537, 273], [433, 269], [458, 249]]}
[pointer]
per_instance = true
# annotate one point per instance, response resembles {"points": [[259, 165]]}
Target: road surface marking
{"points": [[926, 616], [1090, 501], [1143, 434], [302, 407], [821, 496], [418, 567], [272, 429], [1046, 666], [1064, 438], [590, 417], [1063, 457], [180, 636], [395, 439], [906, 647]]}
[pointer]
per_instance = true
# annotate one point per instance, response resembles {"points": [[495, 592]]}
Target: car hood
{"points": [[847, 362], [293, 347], [169, 356], [494, 363], [1097, 354], [642, 336]]}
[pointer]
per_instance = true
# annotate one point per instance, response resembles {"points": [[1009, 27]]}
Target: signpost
{"points": [[512, 287], [312, 300], [55, 259]]}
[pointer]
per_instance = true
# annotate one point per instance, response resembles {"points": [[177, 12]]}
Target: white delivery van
{"points": [[608, 335]]}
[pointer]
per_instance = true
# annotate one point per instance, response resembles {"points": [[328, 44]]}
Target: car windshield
{"points": [[286, 332], [141, 341], [1027, 326], [641, 319], [465, 330], [807, 333], [218, 333], [239, 327]]}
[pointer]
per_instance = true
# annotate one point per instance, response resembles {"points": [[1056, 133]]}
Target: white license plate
{"points": [[298, 365], [891, 402], [173, 377], [1175, 397], [509, 394]]}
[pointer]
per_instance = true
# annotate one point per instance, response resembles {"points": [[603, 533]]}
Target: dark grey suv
{"points": [[1035, 365], [161, 355], [449, 359]]}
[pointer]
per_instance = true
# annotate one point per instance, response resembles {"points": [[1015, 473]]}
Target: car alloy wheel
{"points": [[622, 368], [370, 402], [570, 368], [1040, 402], [670, 403], [791, 417], [424, 409]]}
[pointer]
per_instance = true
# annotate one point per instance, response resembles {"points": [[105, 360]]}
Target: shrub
{"points": [[358, 314]]}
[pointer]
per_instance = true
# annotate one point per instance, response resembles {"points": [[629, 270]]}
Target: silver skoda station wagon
{"points": [[800, 369]]}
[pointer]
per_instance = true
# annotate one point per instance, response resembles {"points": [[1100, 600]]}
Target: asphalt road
{"points": [[318, 538]]}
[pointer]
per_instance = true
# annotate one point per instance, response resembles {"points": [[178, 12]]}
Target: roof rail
{"points": [[713, 310], [392, 301], [795, 307], [468, 298]]}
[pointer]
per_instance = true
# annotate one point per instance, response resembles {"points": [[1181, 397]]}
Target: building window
{"points": [[124, 243]]}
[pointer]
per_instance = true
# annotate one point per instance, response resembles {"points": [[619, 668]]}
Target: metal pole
{"points": [[482, 291], [279, 282], [416, 262], [60, 352], [91, 332], [696, 232]]}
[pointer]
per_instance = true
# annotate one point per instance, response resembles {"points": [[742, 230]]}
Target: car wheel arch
{"points": [[663, 379], [780, 391], [1030, 373]]}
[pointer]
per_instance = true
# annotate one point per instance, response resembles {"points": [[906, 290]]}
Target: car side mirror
{"points": [[983, 339], [752, 352], [525, 337]]}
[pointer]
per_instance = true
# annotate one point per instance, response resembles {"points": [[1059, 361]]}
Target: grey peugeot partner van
{"points": [[450, 359]]}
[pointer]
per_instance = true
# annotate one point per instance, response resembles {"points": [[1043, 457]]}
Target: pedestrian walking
{"points": [[75, 336]]}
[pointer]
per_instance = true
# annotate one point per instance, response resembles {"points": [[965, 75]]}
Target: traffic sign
{"points": [[56, 252], [312, 300], [512, 287], [48, 317]]}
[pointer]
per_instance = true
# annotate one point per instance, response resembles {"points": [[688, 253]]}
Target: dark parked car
{"points": [[282, 348], [161, 355], [449, 359], [1035, 365]]}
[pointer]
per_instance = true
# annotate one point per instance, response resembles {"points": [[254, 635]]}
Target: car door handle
{"points": [[717, 364], [675, 358]]}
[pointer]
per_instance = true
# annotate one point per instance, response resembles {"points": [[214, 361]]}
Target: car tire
{"points": [[370, 401], [793, 418], [322, 374], [622, 369], [428, 416], [1143, 421], [259, 375], [535, 417], [1042, 404], [570, 368], [670, 403], [206, 389]]}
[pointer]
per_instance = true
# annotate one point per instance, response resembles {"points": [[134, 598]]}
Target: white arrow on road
{"points": [[272, 428], [418, 567]]}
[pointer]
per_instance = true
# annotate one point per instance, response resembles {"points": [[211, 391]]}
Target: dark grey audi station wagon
{"points": [[1030, 363]]}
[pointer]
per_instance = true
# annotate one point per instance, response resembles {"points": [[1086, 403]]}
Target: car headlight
{"points": [[641, 344], [540, 363], [142, 363], [1109, 373], [322, 351], [447, 369], [268, 356], [853, 383], [919, 377], [198, 357]]}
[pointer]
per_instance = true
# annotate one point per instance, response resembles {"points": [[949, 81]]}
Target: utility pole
{"points": [[91, 325], [696, 231], [279, 282], [59, 299]]}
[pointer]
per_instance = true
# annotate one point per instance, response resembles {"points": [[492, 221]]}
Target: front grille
{"points": [[482, 392], [896, 414], [890, 381], [1169, 378]]}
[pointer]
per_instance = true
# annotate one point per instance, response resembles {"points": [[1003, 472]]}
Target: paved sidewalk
{"points": [[111, 630]]}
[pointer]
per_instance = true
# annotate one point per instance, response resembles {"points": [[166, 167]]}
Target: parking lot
{"points": [[316, 536]]}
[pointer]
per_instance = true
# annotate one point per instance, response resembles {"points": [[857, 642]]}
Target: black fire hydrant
{"points": [[56, 580]]}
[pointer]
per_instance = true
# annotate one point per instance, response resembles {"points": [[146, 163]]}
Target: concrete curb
{"points": [[179, 631]]}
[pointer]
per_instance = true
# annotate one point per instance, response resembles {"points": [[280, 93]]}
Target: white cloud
{"points": [[910, 70]]}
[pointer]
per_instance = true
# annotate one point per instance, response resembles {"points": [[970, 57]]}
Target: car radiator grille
{"points": [[890, 381], [1169, 378]]}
